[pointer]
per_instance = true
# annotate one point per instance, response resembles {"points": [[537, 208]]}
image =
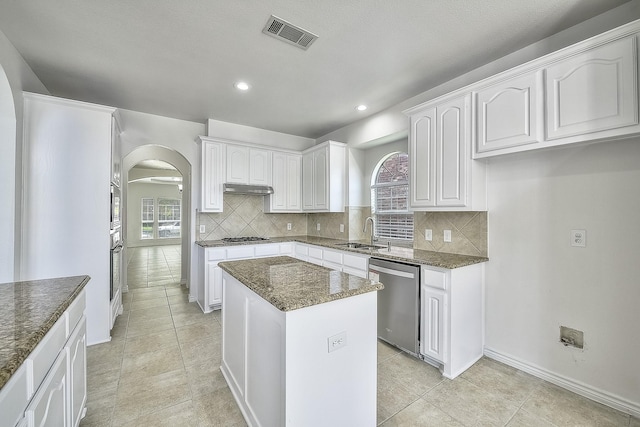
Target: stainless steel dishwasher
{"points": [[398, 303]]}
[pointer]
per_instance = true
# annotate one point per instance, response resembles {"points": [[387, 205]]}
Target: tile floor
{"points": [[162, 369]]}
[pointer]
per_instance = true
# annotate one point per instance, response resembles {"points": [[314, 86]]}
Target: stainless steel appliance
{"points": [[398, 303], [116, 263], [115, 207]]}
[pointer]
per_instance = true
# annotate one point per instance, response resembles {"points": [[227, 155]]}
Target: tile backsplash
{"points": [[468, 232], [244, 216]]}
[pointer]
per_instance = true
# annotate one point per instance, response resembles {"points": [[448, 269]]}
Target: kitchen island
{"points": [[299, 343]]}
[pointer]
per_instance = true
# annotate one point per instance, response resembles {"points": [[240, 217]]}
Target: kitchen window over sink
{"points": [[390, 198]]}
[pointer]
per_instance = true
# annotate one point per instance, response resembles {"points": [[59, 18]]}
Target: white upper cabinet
{"points": [[212, 174], [286, 181], [442, 174], [246, 165], [508, 114], [324, 177], [593, 91]]}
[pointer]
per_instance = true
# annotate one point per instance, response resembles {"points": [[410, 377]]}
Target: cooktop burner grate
{"points": [[243, 239]]}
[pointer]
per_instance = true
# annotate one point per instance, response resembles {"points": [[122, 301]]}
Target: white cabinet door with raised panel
{"points": [[278, 199], [320, 179], [507, 114], [237, 164], [294, 177], [213, 170], [452, 137], [77, 347], [593, 91], [422, 153], [214, 283], [259, 167], [307, 181], [286, 181], [433, 303], [49, 406]]}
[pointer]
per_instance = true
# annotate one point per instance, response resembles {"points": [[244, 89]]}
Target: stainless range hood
{"points": [[255, 190]]}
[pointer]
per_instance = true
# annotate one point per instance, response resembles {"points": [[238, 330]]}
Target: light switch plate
{"points": [[447, 236], [342, 228], [318, 226], [203, 228], [288, 226], [428, 235]]}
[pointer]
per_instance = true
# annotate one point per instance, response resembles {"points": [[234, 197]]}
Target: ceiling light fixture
{"points": [[361, 107], [242, 86]]}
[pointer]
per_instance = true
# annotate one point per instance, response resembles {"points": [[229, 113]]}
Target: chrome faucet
{"points": [[364, 229]]}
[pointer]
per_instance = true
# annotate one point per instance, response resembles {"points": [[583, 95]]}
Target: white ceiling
{"points": [[181, 58]]}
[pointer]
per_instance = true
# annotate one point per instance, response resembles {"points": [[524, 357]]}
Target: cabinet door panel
{"points": [[433, 302], [78, 371], [237, 164], [593, 91], [259, 167], [214, 283], [320, 180], [422, 151], [280, 184], [307, 181], [234, 311], [49, 406], [213, 167], [507, 114], [293, 183], [451, 154]]}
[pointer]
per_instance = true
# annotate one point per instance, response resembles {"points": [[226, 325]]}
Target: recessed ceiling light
{"points": [[361, 107], [242, 86]]}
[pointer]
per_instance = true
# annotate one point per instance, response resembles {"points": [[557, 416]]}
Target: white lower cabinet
{"points": [[451, 309], [50, 388], [209, 288], [49, 407]]}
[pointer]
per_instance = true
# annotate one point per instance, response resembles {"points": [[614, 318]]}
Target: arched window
{"points": [[390, 198]]}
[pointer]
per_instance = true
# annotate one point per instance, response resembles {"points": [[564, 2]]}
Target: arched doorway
{"points": [[182, 165], [8, 187]]}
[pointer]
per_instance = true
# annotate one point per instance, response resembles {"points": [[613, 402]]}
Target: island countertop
{"points": [[29, 310], [290, 284]]}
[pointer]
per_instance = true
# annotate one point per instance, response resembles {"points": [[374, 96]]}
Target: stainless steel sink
{"points": [[354, 245]]}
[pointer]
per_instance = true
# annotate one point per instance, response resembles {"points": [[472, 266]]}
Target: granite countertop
{"points": [[29, 310], [290, 284], [416, 256]]}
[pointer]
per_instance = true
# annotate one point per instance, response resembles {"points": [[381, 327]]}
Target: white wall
{"points": [[226, 130], [141, 130], [535, 281], [15, 76]]}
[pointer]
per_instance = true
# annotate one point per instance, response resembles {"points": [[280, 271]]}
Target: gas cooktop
{"points": [[243, 239]]}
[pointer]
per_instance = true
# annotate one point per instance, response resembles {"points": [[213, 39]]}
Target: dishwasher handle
{"points": [[378, 269]]}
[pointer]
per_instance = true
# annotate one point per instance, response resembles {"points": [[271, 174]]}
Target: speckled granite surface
{"points": [[416, 256], [290, 284], [27, 311]]}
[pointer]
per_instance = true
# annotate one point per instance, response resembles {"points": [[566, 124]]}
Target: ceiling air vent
{"points": [[282, 30]]}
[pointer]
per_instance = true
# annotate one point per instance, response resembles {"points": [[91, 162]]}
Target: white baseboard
{"points": [[577, 387]]}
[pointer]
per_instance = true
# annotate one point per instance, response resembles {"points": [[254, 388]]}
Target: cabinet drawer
{"points": [[315, 253], [269, 249], [331, 256], [217, 254], [302, 250], [75, 312], [434, 279], [240, 252], [332, 265], [357, 262], [43, 356], [14, 396]]}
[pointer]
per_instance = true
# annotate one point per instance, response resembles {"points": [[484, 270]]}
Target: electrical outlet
{"points": [[447, 236], [203, 228], [428, 235], [288, 226], [318, 226], [337, 341], [342, 228], [579, 238]]}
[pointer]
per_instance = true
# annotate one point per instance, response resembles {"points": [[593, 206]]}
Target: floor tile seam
{"points": [[402, 409]]}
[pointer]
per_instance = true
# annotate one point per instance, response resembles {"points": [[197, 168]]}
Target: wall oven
{"points": [[116, 263], [115, 207]]}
